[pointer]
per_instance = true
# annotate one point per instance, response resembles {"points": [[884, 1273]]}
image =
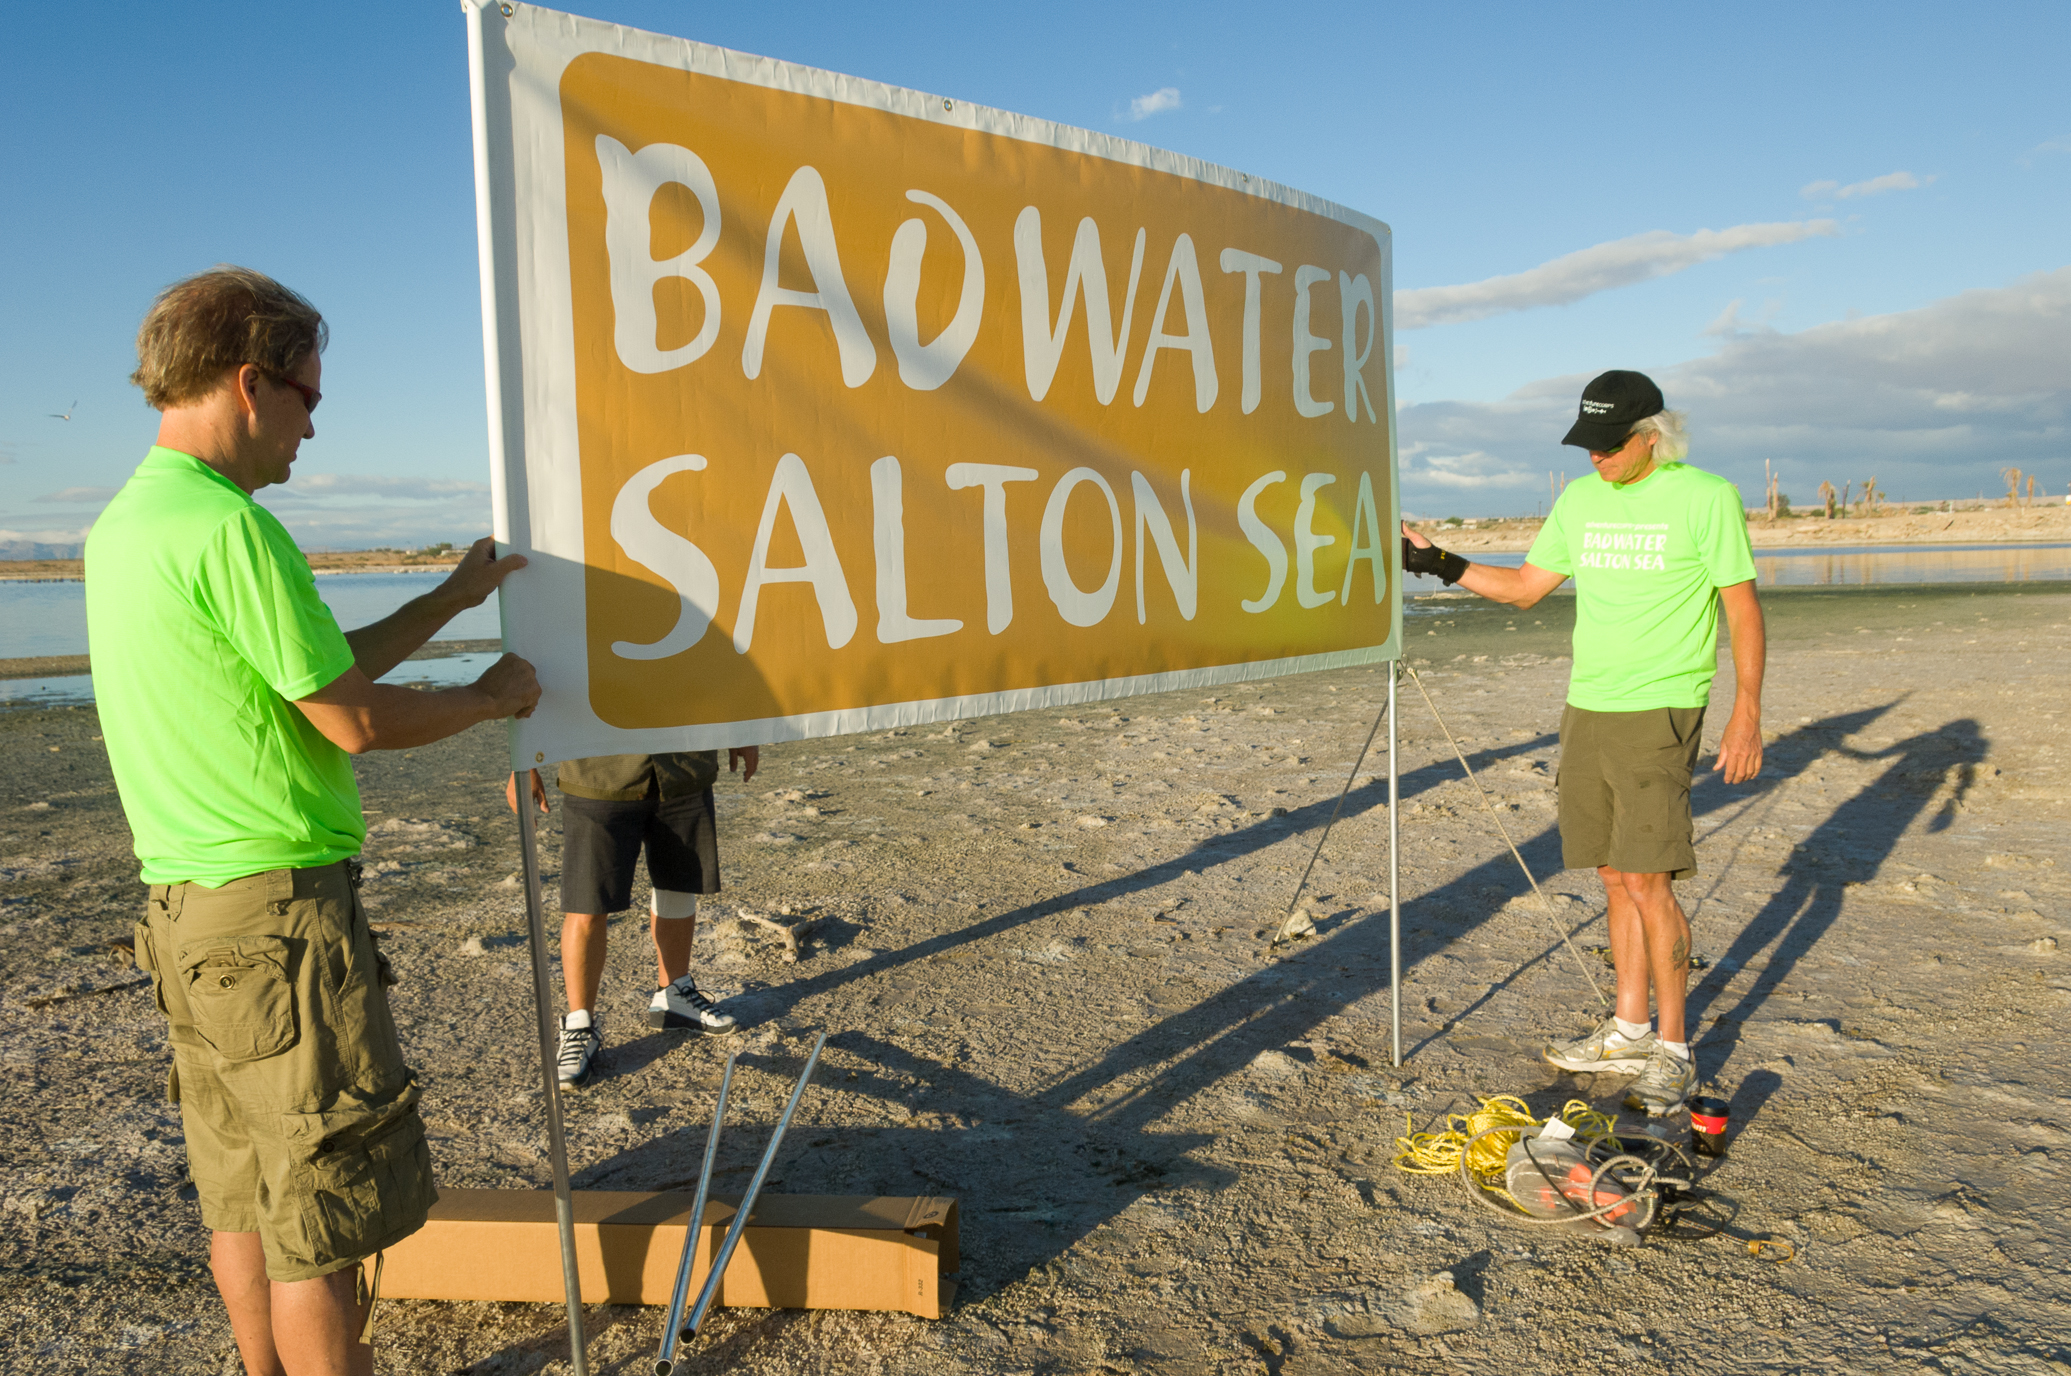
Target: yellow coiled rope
{"points": [[1438, 1152]]}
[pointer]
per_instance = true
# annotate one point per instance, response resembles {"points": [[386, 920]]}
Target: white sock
{"points": [[1631, 1031], [577, 1019], [1679, 1050]]}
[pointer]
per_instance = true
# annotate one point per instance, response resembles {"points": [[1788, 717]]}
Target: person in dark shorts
{"points": [[1658, 551], [616, 807]]}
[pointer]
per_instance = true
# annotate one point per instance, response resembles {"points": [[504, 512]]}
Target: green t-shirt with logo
{"points": [[1648, 559], [204, 624]]}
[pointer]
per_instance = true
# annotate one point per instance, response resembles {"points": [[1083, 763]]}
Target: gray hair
{"points": [[1671, 439]]}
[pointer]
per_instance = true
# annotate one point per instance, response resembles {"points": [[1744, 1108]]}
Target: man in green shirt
{"points": [[230, 703], [1657, 550]]}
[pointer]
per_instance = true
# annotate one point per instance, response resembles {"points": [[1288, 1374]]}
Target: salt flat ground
{"points": [[1036, 946]]}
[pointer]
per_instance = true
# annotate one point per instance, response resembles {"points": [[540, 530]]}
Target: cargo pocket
{"points": [[147, 960], [240, 997], [363, 1194]]}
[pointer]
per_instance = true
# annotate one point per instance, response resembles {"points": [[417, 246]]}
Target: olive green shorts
{"points": [[1625, 789], [301, 1117]]}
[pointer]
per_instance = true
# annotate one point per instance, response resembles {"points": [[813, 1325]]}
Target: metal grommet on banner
{"points": [[948, 104], [539, 757], [507, 9]]}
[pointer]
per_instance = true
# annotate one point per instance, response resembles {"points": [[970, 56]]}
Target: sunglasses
{"points": [[1618, 448], [310, 396]]}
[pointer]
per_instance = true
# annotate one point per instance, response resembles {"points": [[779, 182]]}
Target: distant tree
{"points": [[2012, 478], [1827, 494]]}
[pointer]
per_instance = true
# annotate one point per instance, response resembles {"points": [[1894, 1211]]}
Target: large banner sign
{"points": [[821, 406]]}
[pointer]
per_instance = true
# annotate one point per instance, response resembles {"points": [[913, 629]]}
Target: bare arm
{"points": [[746, 758], [378, 648], [357, 714], [1740, 748], [1519, 587]]}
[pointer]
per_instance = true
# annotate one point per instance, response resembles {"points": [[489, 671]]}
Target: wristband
{"points": [[1446, 567]]}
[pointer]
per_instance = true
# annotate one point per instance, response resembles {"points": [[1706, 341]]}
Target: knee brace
{"points": [[669, 905]]}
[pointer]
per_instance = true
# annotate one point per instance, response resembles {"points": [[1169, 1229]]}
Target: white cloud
{"points": [[80, 496], [1730, 324], [2047, 146], [360, 484], [1619, 263], [1428, 467], [358, 510], [1933, 400], [1875, 186], [1156, 103]]}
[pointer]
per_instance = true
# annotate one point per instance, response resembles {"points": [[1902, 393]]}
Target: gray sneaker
{"points": [[1603, 1050], [576, 1058], [1664, 1086]]}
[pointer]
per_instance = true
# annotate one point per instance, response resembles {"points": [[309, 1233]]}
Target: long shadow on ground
{"points": [[1102, 1116]]}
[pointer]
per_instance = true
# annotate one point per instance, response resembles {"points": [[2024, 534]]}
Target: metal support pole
{"points": [[747, 1205], [557, 1139], [694, 1233], [1394, 876]]}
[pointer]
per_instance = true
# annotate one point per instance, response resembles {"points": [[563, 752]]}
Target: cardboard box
{"points": [[800, 1251]]}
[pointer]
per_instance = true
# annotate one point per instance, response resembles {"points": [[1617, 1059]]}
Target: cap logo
{"points": [[1595, 408]]}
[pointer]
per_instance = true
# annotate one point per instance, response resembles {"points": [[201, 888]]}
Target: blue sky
{"points": [[1836, 234]]}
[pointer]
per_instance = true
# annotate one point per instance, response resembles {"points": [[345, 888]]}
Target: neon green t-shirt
{"points": [[1648, 559], [204, 623]]}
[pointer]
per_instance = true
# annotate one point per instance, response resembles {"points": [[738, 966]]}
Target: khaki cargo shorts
{"points": [[1625, 789], [301, 1117]]}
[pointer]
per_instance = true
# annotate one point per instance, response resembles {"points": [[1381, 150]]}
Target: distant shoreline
{"points": [[71, 666], [1993, 525], [323, 562]]}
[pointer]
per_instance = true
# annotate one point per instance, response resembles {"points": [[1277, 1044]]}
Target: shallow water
{"points": [[443, 672], [1868, 565], [50, 618]]}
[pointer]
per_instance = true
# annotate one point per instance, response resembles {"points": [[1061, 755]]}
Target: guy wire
{"points": [[1315, 854], [1545, 905]]}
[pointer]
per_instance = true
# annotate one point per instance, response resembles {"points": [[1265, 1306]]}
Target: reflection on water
{"points": [[50, 618], [1868, 564], [1912, 564]]}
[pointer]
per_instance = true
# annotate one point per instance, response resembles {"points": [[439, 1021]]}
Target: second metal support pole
{"points": [[557, 1138]]}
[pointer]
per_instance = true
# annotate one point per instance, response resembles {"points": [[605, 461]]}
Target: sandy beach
{"points": [[1037, 945]]}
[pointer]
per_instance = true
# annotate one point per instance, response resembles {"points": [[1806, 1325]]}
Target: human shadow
{"points": [[1848, 847], [1213, 850], [1105, 1116]]}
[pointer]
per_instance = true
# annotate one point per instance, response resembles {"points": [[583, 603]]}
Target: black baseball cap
{"points": [[1612, 404]]}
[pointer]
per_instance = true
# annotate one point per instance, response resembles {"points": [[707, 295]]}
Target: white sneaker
{"points": [[1606, 1049], [681, 1005]]}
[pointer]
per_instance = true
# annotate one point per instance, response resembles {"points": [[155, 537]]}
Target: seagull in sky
{"points": [[68, 412]]}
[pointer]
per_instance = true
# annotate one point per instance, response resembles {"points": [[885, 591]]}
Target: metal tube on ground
{"points": [[694, 1231], [557, 1140], [740, 1218], [1394, 879]]}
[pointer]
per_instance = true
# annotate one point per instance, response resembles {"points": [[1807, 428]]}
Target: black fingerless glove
{"points": [[1445, 567]]}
